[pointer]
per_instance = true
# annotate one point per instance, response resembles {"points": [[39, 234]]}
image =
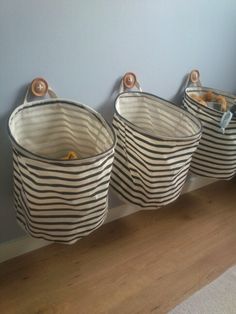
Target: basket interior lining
{"points": [[54, 129], [155, 116]]}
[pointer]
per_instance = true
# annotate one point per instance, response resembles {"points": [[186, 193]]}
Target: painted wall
{"points": [[83, 47]]}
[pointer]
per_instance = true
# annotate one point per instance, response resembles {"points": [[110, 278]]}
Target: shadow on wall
{"points": [[106, 108], [7, 212], [179, 95]]}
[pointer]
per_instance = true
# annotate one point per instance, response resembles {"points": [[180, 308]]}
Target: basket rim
{"points": [[205, 89], [168, 103], [68, 102]]}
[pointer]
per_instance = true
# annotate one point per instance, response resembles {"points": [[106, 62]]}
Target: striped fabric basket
{"points": [[60, 200], [155, 143], [215, 156]]}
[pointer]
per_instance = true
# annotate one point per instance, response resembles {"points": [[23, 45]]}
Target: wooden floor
{"points": [[145, 263]]}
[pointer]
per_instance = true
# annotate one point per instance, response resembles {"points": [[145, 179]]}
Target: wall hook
{"points": [[39, 87]]}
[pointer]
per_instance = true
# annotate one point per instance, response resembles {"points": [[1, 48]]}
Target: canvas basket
{"points": [[215, 156], [60, 200], [155, 143]]}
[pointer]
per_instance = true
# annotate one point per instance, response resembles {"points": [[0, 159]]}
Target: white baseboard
{"points": [[26, 243]]}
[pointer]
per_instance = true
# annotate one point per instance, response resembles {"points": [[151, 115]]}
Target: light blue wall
{"points": [[82, 47]]}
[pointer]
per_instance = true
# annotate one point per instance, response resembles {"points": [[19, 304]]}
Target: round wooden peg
{"points": [[129, 80], [194, 76], [39, 87]]}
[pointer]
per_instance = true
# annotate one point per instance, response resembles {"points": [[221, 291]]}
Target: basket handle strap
{"points": [[129, 81], [193, 79], [39, 88]]}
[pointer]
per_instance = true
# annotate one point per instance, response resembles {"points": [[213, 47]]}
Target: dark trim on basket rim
{"points": [[142, 132], [69, 103]]}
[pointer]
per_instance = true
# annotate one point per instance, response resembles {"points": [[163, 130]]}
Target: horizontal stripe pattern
{"points": [[60, 200], [155, 143], [215, 156]]}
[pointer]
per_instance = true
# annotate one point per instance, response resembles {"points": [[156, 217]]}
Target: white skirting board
{"points": [[26, 243]]}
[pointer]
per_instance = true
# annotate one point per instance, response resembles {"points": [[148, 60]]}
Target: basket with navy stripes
{"points": [[215, 156], [155, 143], [60, 199]]}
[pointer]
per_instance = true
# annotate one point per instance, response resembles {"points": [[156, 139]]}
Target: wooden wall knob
{"points": [[194, 76], [129, 80], [39, 87]]}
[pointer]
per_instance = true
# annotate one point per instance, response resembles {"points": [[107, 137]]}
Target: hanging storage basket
{"points": [[155, 143], [215, 156], [57, 198]]}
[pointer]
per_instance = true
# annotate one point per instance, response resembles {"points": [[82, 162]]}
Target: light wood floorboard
{"points": [[144, 263]]}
